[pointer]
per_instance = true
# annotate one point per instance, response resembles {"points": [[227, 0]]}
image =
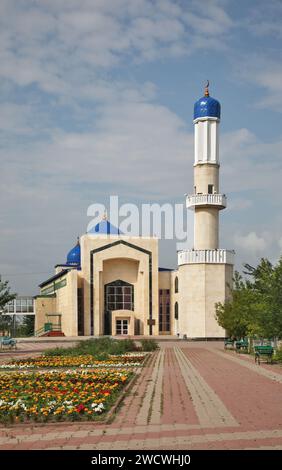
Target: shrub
{"points": [[100, 348], [278, 355], [148, 345]]}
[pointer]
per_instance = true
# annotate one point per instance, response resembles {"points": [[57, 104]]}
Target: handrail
{"points": [[47, 329], [38, 332]]}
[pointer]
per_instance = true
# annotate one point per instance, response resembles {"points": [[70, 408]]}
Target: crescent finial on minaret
{"points": [[207, 88]]}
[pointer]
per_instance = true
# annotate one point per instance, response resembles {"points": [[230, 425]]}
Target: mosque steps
{"points": [[53, 333]]}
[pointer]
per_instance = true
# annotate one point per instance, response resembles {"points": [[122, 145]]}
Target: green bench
{"points": [[241, 345], [264, 351], [7, 341], [228, 343]]}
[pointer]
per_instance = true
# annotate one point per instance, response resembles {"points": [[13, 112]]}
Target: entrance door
{"points": [[122, 327], [119, 295]]}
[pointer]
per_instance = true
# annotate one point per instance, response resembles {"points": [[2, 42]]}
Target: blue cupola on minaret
{"points": [[207, 106]]}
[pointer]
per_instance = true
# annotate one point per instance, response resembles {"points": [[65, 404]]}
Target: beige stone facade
{"points": [[79, 295]]}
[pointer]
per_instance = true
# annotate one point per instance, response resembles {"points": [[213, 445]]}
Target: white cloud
{"points": [[61, 45], [121, 139], [264, 73], [251, 243], [130, 138], [262, 21], [251, 164]]}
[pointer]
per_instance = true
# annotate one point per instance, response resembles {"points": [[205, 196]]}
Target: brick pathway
{"points": [[189, 396]]}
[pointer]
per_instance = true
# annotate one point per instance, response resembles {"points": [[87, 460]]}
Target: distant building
{"points": [[21, 305], [13, 316], [111, 284]]}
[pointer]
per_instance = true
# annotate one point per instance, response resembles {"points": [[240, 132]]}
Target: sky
{"points": [[96, 99]]}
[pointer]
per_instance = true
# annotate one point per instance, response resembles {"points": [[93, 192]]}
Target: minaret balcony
{"points": [[206, 200], [219, 256]]}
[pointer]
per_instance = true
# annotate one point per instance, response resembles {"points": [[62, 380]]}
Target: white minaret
{"points": [[206, 199], [204, 271]]}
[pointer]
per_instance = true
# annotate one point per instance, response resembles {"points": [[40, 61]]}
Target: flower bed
{"points": [[126, 360], [53, 395]]}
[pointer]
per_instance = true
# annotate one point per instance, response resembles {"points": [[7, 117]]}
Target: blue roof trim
{"points": [[105, 228], [165, 269], [207, 107]]}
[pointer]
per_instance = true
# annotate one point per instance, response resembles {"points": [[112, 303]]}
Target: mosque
{"points": [[111, 284]]}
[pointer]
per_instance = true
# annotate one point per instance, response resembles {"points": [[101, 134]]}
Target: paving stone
{"points": [[190, 396]]}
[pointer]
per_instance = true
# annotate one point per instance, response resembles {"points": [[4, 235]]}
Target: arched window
{"points": [[176, 285], [176, 310]]}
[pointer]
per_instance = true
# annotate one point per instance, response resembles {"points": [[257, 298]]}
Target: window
{"points": [[176, 285], [164, 311], [119, 295], [30, 305], [80, 312], [210, 189], [176, 310], [121, 327]]}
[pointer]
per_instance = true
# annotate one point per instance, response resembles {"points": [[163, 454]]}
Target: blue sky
{"points": [[97, 99]]}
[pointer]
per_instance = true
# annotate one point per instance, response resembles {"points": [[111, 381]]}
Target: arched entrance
{"points": [[119, 295]]}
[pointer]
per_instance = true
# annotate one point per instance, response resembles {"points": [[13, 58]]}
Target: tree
{"points": [[6, 324], [255, 306], [28, 325], [239, 315], [267, 281], [5, 295]]}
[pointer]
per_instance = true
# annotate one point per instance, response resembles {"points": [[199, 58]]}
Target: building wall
{"points": [[43, 305], [204, 175], [167, 281], [66, 304], [206, 228], [174, 297], [200, 287], [119, 262]]}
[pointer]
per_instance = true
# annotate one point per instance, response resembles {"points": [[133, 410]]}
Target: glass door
{"points": [[122, 327]]}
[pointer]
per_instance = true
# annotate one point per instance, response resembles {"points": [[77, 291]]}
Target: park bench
{"points": [[7, 341], [266, 351], [241, 345], [228, 343]]}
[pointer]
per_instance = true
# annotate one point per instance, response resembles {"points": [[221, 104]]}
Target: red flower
{"points": [[80, 408]]}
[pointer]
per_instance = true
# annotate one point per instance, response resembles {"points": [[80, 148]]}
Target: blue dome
{"points": [[207, 107], [105, 228], [73, 258]]}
